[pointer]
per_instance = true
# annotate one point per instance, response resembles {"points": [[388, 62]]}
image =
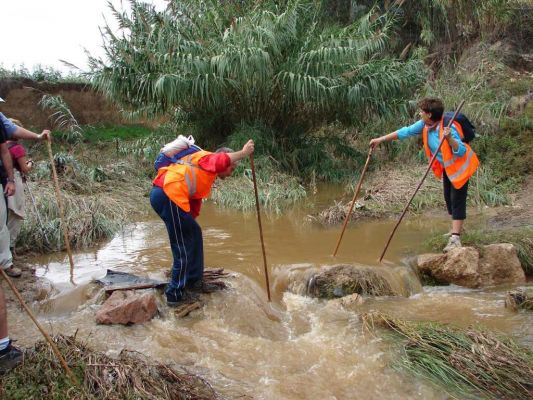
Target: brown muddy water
{"points": [[293, 348]]}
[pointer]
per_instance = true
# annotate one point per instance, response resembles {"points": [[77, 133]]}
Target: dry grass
{"points": [[386, 191], [468, 363], [130, 376]]}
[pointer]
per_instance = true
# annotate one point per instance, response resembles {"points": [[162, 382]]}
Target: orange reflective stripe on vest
{"points": [[458, 169], [185, 180]]}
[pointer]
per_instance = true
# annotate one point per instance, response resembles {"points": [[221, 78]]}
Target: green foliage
{"points": [[62, 118], [457, 22], [107, 133], [269, 64], [41, 73], [276, 190]]}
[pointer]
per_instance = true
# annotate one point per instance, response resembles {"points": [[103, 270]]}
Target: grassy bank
{"points": [[466, 363]]}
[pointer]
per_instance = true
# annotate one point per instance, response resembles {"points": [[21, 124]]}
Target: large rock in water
{"points": [[127, 307], [496, 264]]}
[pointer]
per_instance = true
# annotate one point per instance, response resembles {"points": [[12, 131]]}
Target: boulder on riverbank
{"points": [[127, 307], [490, 265]]}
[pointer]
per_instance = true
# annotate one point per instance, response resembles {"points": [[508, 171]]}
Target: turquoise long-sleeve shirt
{"points": [[433, 138]]}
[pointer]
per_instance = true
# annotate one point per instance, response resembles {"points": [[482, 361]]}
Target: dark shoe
{"points": [[203, 287], [186, 298], [13, 272], [10, 357]]}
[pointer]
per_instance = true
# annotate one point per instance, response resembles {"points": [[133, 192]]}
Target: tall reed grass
{"points": [[467, 363]]}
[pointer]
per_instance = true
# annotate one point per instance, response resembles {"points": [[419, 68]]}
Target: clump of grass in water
{"points": [[519, 299], [466, 362], [343, 280], [130, 376], [89, 219], [276, 190]]}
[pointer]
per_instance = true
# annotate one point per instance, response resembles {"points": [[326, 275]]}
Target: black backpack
{"points": [[469, 130]]}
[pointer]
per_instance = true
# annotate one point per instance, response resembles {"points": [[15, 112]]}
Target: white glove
{"points": [[179, 144]]}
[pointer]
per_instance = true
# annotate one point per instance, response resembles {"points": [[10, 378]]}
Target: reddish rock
{"points": [[127, 307]]}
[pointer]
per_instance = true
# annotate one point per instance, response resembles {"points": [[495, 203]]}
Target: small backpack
{"points": [[469, 130]]}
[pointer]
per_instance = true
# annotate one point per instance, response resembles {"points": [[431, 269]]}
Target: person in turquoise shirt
{"points": [[431, 113]]}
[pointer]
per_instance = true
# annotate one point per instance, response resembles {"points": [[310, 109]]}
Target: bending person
{"points": [[455, 162], [176, 197]]}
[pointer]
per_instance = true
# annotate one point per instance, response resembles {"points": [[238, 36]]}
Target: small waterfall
{"points": [[331, 281]]}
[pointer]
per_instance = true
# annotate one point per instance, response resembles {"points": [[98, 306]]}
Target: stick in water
{"points": [[41, 329], [61, 213], [356, 193], [260, 226], [420, 184]]}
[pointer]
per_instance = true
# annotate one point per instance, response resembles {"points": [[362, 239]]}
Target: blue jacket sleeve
{"points": [[461, 150], [412, 130], [9, 126]]}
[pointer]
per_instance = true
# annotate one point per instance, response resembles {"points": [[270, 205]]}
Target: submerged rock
{"points": [[127, 307], [494, 264], [342, 280]]}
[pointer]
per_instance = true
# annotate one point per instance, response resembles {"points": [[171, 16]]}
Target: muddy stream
{"points": [[293, 348]]}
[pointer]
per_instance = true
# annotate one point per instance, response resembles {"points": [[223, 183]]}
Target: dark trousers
{"points": [[455, 198], [186, 243]]}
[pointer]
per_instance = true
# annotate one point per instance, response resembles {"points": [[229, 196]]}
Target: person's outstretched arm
{"points": [[23, 133], [247, 149]]}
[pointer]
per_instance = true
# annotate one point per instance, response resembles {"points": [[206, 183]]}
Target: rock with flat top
{"points": [[495, 264], [499, 264], [127, 307]]}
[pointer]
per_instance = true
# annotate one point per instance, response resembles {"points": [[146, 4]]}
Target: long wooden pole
{"points": [[61, 212], [420, 184], [356, 193], [41, 329], [260, 226]]}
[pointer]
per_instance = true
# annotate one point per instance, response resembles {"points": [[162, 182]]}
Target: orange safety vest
{"points": [[458, 169], [186, 180]]}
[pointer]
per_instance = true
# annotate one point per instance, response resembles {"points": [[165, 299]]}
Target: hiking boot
{"points": [[10, 357], [13, 272], [453, 243], [186, 298], [202, 286]]}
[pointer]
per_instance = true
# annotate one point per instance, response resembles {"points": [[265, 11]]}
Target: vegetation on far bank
{"points": [[311, 82]]}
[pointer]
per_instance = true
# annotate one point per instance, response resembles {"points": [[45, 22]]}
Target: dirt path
{"points": [[520, 214]]}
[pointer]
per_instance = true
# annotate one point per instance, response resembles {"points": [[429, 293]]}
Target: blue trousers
{"points": [[186, 243]]}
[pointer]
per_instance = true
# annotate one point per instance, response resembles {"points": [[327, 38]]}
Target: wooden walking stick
{"points": [[353, 200], [61, 213], [259, 223], [420, 184], [41, 329]]}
